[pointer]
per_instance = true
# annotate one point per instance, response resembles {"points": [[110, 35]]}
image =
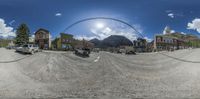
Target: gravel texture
{"points": [[103, 75]]}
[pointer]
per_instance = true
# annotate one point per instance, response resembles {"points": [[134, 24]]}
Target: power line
{"points": [[106, 18]]}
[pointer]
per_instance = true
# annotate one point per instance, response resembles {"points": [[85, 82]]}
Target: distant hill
{"points": [[112, 41], [9, 37], [96, 42]]}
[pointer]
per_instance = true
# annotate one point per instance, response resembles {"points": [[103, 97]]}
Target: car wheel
{"points": [[32, 52]]}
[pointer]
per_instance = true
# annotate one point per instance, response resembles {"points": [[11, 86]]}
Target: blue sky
{"points": [[149, 16]]}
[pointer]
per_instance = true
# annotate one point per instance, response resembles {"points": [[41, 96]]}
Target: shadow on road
{"points": [[11, 61], [18, 59], [82, 56], [188, 61]]}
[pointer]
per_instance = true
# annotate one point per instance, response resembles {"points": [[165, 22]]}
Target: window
{"points": [[25, 45]]}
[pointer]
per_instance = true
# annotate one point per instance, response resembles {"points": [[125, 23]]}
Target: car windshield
{"points": [[25, 45], [35, 46], [99, 49]]}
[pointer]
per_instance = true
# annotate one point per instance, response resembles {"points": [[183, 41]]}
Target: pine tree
{"points": [[22, 34]]}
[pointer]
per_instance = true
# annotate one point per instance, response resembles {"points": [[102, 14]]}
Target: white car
{"points": [[18, 49], [28, 48]]}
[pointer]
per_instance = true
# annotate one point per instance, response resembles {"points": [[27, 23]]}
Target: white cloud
{"points": [[102, 34], [148, 39], [168, 11], [6, 31], [114, 28], [194, 25], [173, 31], [58, 14], [168, 30], [183, 33], [171, 15], [81, 37], [33, 36]]}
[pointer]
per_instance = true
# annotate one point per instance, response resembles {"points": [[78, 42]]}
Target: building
{"points": [[42, 39], [170, 40], [140, 45], [64, 42], [163, 42], [6, 42], [83, 44], [166, 42], [11, 43], [150, 46]]}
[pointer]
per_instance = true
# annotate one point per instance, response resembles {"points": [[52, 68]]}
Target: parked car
{"points": [[119, 52], [82, 52], [18, 49], [10, 47], [28, 48], [130, 53], [129, 50], [96, 50]]}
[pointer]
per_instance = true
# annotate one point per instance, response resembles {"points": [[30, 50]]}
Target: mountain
{"points": [[96, 42], [112, 41], [116, 41]]}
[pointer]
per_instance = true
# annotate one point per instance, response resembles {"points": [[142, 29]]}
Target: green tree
{"points": [[55, 43], [22, 34]]}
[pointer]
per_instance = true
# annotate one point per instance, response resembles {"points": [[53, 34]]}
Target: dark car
{"points": [[130, 53], [82, 52]]}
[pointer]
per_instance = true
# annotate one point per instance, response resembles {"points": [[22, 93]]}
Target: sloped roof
{"points": [[41, 29], [168, 36]]}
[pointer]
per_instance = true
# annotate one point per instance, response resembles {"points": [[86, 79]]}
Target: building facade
{"points": [[150, 46], [140, 45], [164, 42], [5, 42], [79, 44], [42, 39], [64, 42]]}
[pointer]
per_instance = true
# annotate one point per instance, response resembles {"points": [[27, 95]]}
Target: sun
{"points": [[100, 25]]}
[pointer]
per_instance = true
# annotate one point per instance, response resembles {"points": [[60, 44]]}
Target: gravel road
{"points": [[103, 75]]}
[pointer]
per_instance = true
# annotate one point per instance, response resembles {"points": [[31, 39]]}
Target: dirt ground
{"points": [[103, 75]]}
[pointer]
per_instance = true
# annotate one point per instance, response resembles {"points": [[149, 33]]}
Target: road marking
{"points": [[96, 60]]}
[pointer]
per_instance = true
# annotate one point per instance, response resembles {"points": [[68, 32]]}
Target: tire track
{"points": [[15, 60]]}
